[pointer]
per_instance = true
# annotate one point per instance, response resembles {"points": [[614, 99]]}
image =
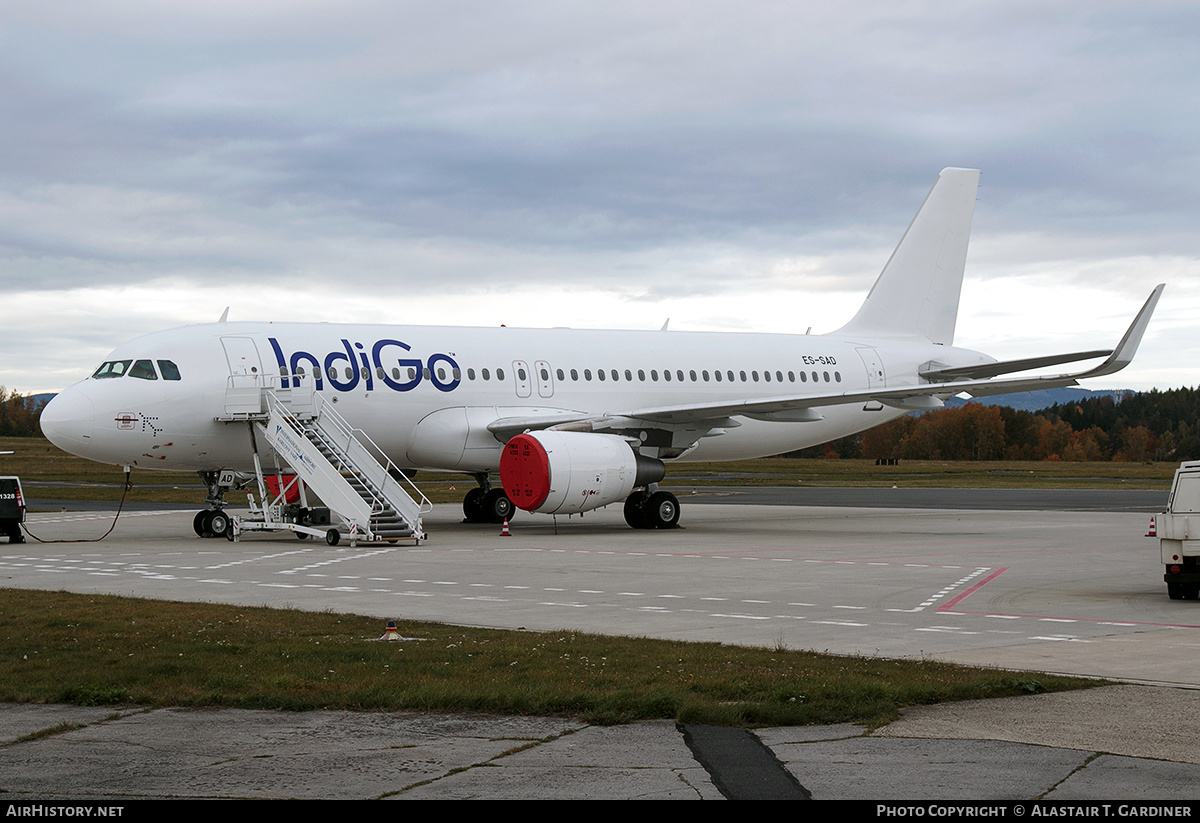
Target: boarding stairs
{"points": [[340, 464]]}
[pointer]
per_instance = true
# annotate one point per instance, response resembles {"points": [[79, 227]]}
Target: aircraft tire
{"points": [[635, 511], [662, 510], [198, 522], [473, 506], [497, 507], [218, 523]]}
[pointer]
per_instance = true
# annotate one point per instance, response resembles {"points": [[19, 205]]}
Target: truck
{"points": [[12, 509], [1178, 533]]}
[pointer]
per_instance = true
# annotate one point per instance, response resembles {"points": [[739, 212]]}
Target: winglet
{"points": [[1123, 354]]}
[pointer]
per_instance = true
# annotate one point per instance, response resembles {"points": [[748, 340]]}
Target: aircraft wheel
{"points": [[332, 537], [497, 507], [198, 522], [218, 524], [662, 510], [473, 506], [635, 511]]}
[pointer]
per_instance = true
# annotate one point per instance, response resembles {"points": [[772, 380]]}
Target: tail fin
{"points": [[916, 295]]}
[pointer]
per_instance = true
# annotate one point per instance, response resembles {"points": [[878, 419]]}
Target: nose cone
{"points": [[69, 420]]}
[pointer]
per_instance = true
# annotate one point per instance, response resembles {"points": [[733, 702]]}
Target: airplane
{"points": [[571, 420]]}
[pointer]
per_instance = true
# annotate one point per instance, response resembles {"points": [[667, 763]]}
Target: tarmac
{"points": [[1119, 744], [1016, 595]]}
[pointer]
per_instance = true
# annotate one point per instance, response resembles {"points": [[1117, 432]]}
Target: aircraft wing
{"points": [[918, 395], [700, 418]]}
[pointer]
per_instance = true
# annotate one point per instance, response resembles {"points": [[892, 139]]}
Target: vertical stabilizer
{"points": [[916, 295]]}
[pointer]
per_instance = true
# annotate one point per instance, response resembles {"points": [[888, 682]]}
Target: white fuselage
{"points": [[427, 394]]}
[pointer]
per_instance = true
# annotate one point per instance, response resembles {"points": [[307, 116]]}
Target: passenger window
{"points": [[143, 370], [600, 374], [642, 375], [628, 374], [520, 374], [113, 368], [667, 375], [559, 374], [767, 376], [692, 375], [803, 377], [574, 374], [470, 374], [499, 374], [169, 370], [679, 374], [717, 374], [654, 375], [587, 375], [485, 374]]}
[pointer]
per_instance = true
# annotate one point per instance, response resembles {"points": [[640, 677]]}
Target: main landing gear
{"points": [[652, 510], [483, 504]]}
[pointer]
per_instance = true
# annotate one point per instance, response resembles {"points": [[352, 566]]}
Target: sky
{"points": [[730, 166]]}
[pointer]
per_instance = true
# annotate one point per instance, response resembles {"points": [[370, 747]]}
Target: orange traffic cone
{"points": [[1153, 528], [504, 531]]}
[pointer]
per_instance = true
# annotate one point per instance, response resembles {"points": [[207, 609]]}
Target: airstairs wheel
{"points": [[332, 537]]}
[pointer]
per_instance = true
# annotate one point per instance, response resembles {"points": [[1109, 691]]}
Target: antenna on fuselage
{"points": [[666, 323], [224, 315]]}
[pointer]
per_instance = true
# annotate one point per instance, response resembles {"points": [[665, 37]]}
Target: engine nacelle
{"points": [[558, 472]]}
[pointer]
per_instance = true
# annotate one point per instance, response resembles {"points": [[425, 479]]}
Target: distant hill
{"points": [[1038, 400]]}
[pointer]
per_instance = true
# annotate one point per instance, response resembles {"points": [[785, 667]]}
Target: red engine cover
{"points": [[525, 472]]}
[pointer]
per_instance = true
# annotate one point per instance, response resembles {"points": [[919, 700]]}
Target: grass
{"points": [[104, 650]]}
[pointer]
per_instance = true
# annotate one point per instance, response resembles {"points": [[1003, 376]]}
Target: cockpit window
{"points": [[113, 368], [143, 370], [169, 370]]}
